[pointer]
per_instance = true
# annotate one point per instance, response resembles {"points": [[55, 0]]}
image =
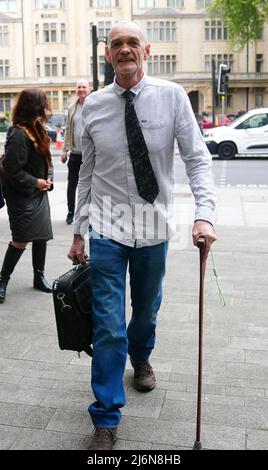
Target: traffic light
{"points": [[223, 80]]}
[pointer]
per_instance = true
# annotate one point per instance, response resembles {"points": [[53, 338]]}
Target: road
{"points": [[242, 171]]}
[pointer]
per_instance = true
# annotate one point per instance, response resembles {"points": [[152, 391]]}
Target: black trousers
{"points": [[74, 164]]}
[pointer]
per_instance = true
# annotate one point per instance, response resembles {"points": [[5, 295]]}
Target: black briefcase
{"points": [[73, 309]]}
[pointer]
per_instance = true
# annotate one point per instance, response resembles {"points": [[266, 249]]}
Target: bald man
{"points": [[72, 144], [125, 191]]}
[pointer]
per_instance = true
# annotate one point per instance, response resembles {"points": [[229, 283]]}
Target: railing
{"points": [[249, 76]]}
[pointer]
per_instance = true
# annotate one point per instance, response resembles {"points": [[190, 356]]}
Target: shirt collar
{"points": [[136, 88]]}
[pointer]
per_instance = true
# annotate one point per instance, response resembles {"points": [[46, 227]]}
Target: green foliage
{"points": [[244, 18]]}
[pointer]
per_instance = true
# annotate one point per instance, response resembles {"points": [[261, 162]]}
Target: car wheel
{"points": [[227, 150]]}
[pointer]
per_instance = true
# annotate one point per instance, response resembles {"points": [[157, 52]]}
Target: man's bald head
{"points": [[82, 89], [129, 26], [82, 81]]}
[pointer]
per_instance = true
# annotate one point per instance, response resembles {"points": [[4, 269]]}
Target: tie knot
{"points": [[129, 95]]}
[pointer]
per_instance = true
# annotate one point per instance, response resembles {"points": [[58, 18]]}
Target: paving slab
{"points": [[45, 392]]}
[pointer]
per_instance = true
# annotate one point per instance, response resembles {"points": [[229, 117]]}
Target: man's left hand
{"points": [[203, 229]]}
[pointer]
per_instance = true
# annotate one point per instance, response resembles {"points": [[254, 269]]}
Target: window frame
{"points": [[11, 6], [4, 68], [47, 4], [161, 31], [4, 35]]}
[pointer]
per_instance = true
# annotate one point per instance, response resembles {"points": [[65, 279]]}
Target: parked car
{"points": [[248, 134], [232, 117], [220, 120], [57, 120], [52, 132]]}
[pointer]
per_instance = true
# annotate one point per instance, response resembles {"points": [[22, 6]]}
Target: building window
{"points": [[104, 3], [8, 6], [90, 31], [161, 30], [228, 99], [259, 63], [175, 3], [259, 94], [67, 97], [102, 65], [3, 35], [53, 98], [227, 59], [5, 103], [49, 4], [215, 30], [64, 66], [37, 34], [153, 65], [50, 32], [63, 33], [38, 68], [51, 67], [146, 4], [103, 29], [207, 63], [260, 35], [4, 68], [161, 65], [203, 3]]}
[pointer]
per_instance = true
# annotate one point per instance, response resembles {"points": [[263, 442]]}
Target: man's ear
{"points": [[147, 51]]}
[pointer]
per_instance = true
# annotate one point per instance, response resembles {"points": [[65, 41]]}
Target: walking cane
{"points": [[201, 245]]}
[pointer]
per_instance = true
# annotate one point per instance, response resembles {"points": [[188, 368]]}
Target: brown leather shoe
{"points": [[103, 439], [144, 378]]}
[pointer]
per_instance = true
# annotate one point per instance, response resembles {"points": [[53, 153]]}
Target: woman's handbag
{"points": [[73, 309]]}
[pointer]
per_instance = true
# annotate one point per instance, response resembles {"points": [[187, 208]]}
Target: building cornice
{"points": [[9, 19], [168, 13]]}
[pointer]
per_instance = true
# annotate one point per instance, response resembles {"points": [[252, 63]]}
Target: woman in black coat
{"points": [[27, 169]]}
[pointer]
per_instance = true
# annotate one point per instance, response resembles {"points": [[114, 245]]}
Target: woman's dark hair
{"points": [[31, 111]]}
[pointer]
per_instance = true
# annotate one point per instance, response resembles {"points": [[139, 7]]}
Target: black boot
{"points": [[39, 248], [3, 288], [12, 256]]}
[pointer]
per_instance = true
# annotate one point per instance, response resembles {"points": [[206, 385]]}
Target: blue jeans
{"points": [[111, 340]]}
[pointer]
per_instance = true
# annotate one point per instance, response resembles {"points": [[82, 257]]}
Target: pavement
{"points": [[45, 392]]}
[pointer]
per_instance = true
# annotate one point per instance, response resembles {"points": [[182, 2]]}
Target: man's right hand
{"points": [[77, 251], [63, 157]]}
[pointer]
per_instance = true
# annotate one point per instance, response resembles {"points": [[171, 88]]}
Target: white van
{"points": [[247, 135]]}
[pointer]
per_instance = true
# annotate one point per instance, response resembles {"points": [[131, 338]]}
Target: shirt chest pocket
{"points": [[155, 134]]}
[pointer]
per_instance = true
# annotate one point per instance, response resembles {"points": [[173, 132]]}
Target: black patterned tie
{"points": [[144, 174]]}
